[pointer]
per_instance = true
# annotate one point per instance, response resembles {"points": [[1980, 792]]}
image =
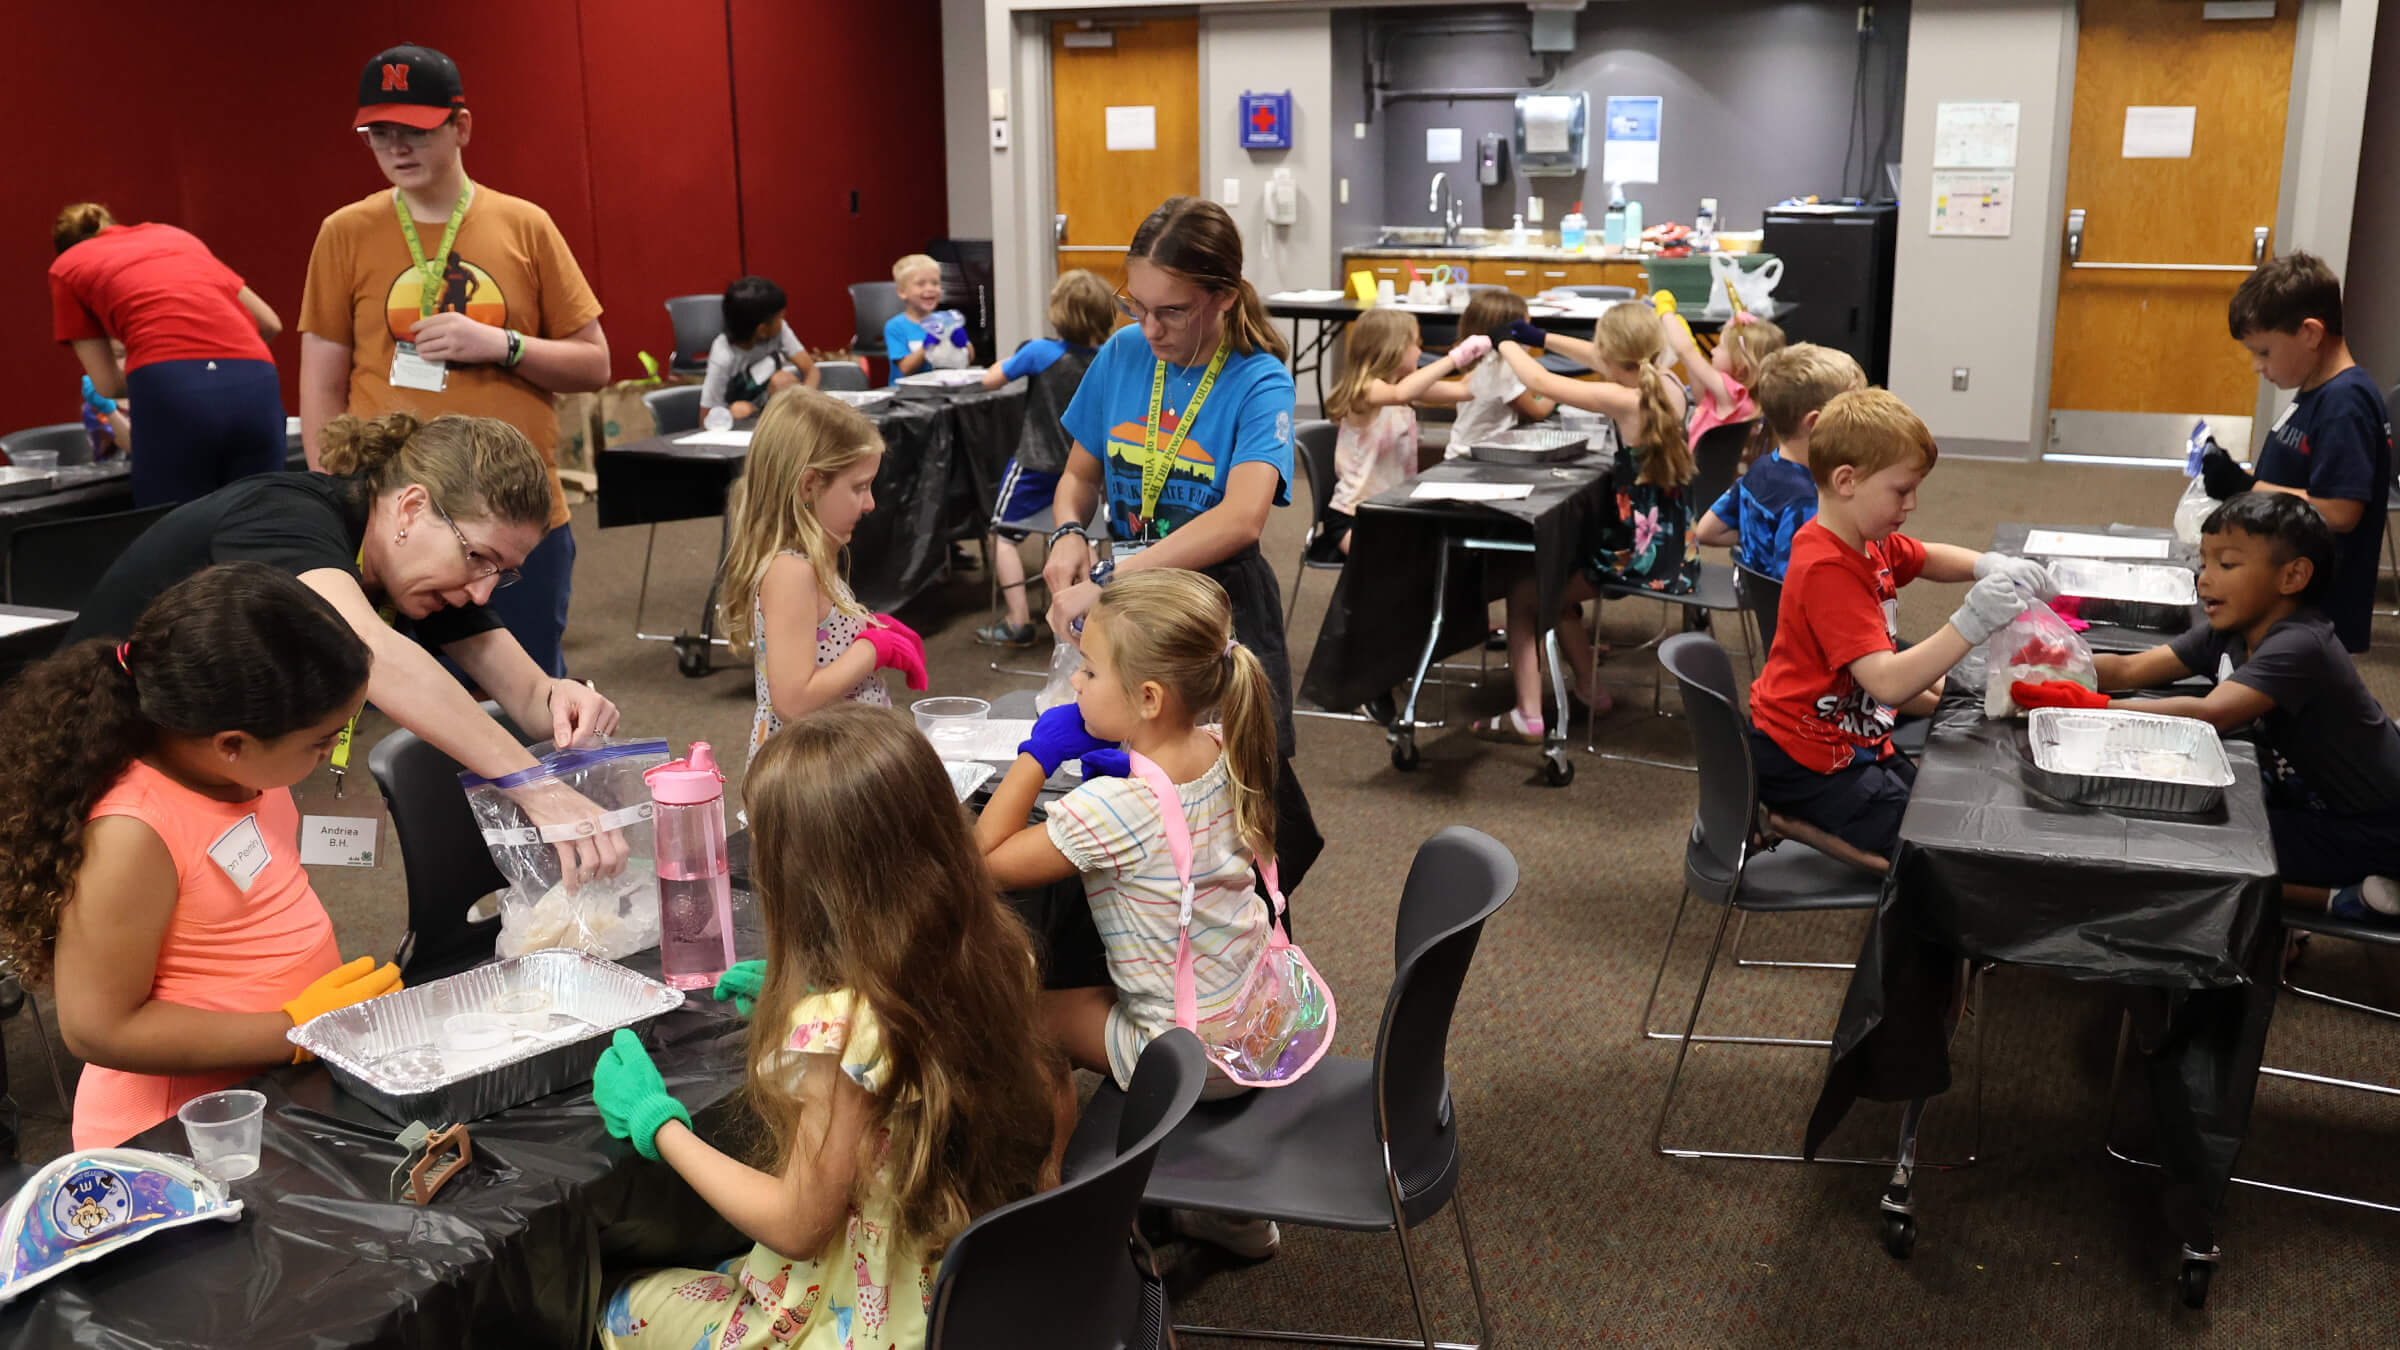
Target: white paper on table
{"points": [[735, 438], [996, 741], [2066, 544], [1308, 297], [1132, 127], [1471, 492], [20, 623]]}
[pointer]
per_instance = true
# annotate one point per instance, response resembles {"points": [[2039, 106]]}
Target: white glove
{"points": [[2024, 571], [1469, 349], [1991, 603]]}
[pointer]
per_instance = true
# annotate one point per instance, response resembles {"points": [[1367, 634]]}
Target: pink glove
{"points": [[1469, 349], [897, 647]]}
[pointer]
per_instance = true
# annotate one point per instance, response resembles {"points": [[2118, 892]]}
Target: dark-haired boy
{"points": [[2333, 446], [2333, 754], [747, 362]]}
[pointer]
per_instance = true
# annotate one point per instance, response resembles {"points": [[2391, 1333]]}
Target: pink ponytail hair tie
{"points": [[1230, 644], [122, 649]]}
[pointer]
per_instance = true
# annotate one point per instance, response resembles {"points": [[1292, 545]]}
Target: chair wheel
{"points": [[2193, 1282], [1899, 1235], [1404, 755], [691, 656], [1558, 770]]}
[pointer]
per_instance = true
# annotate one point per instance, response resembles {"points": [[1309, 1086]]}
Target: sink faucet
{"points": [[1450, 216]]}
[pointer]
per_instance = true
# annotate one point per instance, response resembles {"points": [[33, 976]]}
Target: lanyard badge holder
{"points": [[1281, 1022], [1157, 465], [339, 760], [409, 370]]}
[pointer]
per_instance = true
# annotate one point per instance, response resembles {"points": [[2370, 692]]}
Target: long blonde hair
{"points": [[868, 880], [1751, 346], [1631, 333], [1195, 239], [803, 442], [473, 468], [1373, 349], [1176, 627]]}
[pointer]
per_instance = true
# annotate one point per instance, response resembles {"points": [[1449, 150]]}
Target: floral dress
{"points": [[834, 637], [865, 1291], [1649, 543]]}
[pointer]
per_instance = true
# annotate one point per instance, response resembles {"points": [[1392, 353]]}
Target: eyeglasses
{"points": [[1168, 316], [393, 136], [480, 565]]}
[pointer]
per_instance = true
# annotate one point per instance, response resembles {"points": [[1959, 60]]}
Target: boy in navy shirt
{"points": [[1776, 495], [2333, 445], [2332, 754]]}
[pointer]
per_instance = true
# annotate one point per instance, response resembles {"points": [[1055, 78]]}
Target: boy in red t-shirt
{"points": [[1822, 710]]}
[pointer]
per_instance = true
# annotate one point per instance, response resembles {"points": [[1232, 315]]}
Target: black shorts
{"points": [[1860, 805], [2329, 849]]}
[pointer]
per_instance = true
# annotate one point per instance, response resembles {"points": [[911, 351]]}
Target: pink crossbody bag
{"points": [[1282, 1021]]}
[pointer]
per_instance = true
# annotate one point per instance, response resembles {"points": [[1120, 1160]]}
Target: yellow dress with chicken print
{"points": [[865, 1291]]}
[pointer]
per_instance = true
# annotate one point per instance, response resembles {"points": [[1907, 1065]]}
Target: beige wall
{"points": [[965, 133], [1264, 52]]}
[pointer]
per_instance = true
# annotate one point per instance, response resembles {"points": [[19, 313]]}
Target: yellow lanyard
{"points": [[1155, 466], [429, 270], [339, 760]]}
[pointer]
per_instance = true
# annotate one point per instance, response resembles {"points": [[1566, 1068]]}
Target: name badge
{"points": [[411, 371], [337, 841], [241, 851]]}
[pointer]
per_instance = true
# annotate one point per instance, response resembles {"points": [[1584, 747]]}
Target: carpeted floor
{"points": [[1586, 1236]]}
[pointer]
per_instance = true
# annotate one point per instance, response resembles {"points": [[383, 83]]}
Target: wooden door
{"points": [[2140, 349], [1147, 64]]}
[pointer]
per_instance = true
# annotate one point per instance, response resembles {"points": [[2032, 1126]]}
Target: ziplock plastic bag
{"points": [[1065, 659], [2036, 645], [2190, 509], [610, 917]]}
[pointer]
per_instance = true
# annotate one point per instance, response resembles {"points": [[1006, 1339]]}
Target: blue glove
{"points": [[632, 1098], [931, 344], [1059, 736], [1520, 331], [958, 336], [1106, 764], [93, 401]]}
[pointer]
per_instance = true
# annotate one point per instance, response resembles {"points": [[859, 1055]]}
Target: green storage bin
{"points": [[1689, 277]]}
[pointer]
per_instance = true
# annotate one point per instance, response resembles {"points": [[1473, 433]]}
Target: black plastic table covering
{"points": [[943, 457], [1376, 621], [2183, 909]]}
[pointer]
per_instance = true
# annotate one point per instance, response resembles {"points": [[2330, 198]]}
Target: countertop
{"points": [[1494, 253]]}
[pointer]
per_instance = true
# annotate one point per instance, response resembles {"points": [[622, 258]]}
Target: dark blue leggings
{"points": [[198, 425]]}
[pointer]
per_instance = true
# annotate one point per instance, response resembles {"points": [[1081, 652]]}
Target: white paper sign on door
{"points": [[1133, 128], [2159, 133]]}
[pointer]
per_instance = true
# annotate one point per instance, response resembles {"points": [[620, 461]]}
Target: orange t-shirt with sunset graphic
{"points": [[509, 267]]}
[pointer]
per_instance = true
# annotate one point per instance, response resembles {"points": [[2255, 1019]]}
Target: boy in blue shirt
{"points": [[2333, 446], [1081, 312], [918, 279], [1760, 513]]}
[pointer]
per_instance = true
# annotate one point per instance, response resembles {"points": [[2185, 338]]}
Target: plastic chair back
{"points": [[69, 439], [1058, 1270], [1313, 445], [442, 853], [1461, 877], [676, 408], [698, 320], [1720, 749], [1717, 462], [834, 373], [872, 304], [1762, 595], [54, 565]]}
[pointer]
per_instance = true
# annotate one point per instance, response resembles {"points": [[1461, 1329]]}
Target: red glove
{"points": [[2055, 694], [897, 647]]}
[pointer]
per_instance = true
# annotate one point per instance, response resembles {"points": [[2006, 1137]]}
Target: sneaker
{"points": [[1002, 633], [1249, 1239], [2381, 894]]}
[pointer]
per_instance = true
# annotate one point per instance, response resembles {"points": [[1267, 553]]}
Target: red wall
{"points": [[618, 118]]}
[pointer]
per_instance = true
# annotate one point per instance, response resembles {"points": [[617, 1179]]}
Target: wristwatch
{"points": [[516, 348]]}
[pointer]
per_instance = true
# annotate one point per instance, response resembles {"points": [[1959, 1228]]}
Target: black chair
{"points": [[1359, 1145], [698, 320], [1313, 445], [872, 305], [1064, 1270], [1720, 868], [1762, 600], [835, 373], [442, 854], [675, 409], [55, 564]]}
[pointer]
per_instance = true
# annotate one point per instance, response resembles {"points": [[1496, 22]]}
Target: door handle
{"points": [[1058, 228], [2074, 236], [2075, 219], [2258, 246]]}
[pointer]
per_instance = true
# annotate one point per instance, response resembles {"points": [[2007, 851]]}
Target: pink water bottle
{"points": [[695, 888]]}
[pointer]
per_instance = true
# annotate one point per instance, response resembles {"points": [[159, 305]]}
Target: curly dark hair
{"points": [[239, 647]]}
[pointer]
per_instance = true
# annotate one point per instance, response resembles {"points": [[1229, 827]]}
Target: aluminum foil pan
{"points": [[2127, 594], [478, 1043], [2129, 760], [1531, 445], [940, 383], [860, 398], [16, 482]]}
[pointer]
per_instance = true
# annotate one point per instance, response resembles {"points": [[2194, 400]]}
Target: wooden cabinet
{"points": [[1524, 276]]}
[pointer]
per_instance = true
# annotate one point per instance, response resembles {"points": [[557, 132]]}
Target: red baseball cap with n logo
{"points": [[412, 85]]}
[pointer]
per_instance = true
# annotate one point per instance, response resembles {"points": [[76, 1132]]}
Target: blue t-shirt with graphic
{"points": [[1768, 506], [1247, 418], [901, 335]]}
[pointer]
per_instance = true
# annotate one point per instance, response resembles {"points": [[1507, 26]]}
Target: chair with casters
{"points": [[1762, 601], [1313, 445], [68, 439], [872, 305], [698, 321], [1721, 868], [1065, 1270], [839, 373], [442, 853], [1362, 1145], [55, 564]]}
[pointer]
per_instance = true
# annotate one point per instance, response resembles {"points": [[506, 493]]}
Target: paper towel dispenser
{"points": [[1550, 134]]}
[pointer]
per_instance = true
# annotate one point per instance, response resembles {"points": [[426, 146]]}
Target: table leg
{"points": [[1897, 1208], [1557, 769], [1402, 735]]}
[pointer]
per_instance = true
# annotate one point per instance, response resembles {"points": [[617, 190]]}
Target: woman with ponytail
{"points": [[150, 852], [1647, 542], [407, 537], [1183, 428]]}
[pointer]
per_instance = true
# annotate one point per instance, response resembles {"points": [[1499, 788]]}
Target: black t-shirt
{"points": [[2335, 443], [300, 522], [2325, 727]]}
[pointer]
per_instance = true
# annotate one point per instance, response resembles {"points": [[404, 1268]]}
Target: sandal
{"points": [[1507, 729]]}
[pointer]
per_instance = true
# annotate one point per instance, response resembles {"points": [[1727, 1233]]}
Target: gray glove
{"points": [[2024, 571], [1992, 602]]}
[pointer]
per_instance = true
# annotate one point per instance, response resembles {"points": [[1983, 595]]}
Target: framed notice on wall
{"points": [[1973, 202], [1981, 135]]}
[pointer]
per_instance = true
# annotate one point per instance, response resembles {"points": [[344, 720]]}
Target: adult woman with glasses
{"points": [[1183, 426], [409, 536], [195, 336]]}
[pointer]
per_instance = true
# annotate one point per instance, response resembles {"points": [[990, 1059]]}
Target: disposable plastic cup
{"points": [[952, 724], [44, 460], [223, 1130], [2081, 742]]}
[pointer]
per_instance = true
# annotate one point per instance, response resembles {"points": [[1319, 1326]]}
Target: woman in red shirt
{"points": [[196, 360]]}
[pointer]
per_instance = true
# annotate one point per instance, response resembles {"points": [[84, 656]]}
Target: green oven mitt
{"points": [[632, 1098], [741, 982]]}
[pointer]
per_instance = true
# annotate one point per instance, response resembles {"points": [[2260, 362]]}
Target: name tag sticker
{"points": [[241, 851], [411, 371], [337, 841]]}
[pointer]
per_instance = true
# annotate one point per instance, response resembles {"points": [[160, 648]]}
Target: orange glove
{"points": [[2055, 694], [340, 987]]}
